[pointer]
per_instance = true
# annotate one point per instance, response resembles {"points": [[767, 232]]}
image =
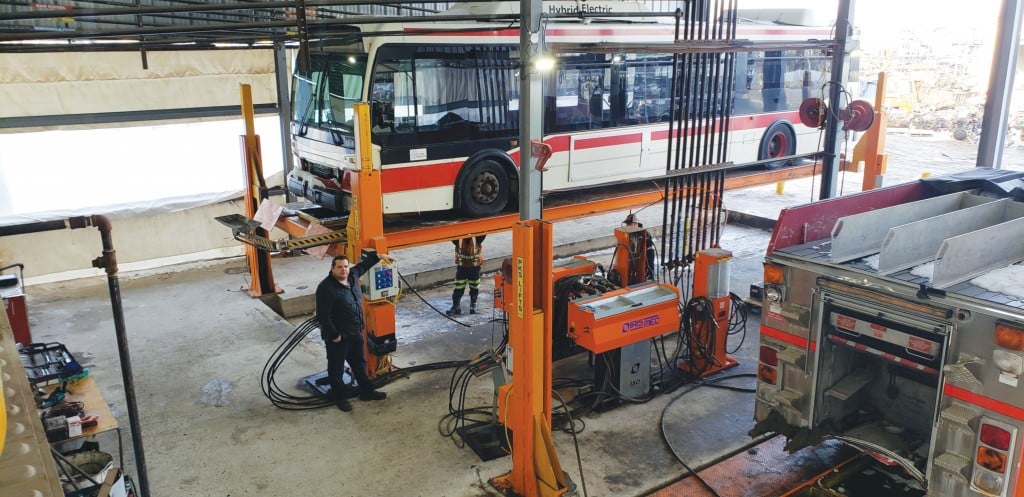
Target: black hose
{"points": [[289, 401]]}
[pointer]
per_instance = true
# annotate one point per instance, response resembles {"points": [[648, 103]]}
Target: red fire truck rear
{"points": [[891, 321]]}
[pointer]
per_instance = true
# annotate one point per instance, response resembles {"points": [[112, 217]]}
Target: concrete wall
{"points": [[141, 243]]}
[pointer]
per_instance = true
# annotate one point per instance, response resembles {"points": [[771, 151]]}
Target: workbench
{"points": [[88, 393]]}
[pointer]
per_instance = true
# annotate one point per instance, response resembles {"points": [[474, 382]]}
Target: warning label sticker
{"points": [[853, 326]]}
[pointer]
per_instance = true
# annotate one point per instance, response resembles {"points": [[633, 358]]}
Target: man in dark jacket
{"points": [[339, 309]]}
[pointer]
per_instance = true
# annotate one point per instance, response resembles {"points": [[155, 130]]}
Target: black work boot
{"points": [[454, 311], [343, 404], [472, 307], [372, 395]]}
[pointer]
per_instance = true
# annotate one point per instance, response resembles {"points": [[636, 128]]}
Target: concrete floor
{"points": [[199, 342]]}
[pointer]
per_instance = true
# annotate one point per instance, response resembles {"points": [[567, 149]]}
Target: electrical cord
{"points": [[460, 323], [699, 334], [458, 414], [575, 443], [737, 321], [694, 386], [288, 401], [278, 396]]}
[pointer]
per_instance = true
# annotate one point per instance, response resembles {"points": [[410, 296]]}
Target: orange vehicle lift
{"points": [[261, 276], [535, 467]]}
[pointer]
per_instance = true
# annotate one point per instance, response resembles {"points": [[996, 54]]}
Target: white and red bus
{"points": [[444, 108]]}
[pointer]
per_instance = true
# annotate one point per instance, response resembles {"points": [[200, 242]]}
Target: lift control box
{"points": [[383, 281], [624, 316]]}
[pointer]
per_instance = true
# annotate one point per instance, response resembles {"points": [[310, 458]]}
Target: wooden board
{"points": [[88, 393]]}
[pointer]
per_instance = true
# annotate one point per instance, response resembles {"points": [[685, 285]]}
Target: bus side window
{"points": [[774, 90]]}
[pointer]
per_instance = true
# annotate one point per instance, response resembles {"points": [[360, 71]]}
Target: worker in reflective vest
{"points": [[468, 259]]}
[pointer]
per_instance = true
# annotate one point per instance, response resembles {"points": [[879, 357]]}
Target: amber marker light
{"points": [[1009, 337], [773, 274]]}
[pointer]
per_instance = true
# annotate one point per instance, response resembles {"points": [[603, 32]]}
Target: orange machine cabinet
{"points": [[504, 294], [624, 316]]}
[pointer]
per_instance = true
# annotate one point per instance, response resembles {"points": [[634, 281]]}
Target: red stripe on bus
{"points": [[417, 177], [607, 141], [789, 338], [444, 173], [740, 123], [984, 402], [558, 143]]}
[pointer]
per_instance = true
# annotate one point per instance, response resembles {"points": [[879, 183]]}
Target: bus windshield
{"points": [[325, 97]]}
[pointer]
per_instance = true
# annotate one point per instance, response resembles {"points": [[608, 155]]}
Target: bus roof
{"points": [[498, 24], [579, 10]]}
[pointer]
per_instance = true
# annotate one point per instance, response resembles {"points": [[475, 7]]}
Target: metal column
{"points": [[1000, 86], [284, 111], [833, 134], [531, 108]]}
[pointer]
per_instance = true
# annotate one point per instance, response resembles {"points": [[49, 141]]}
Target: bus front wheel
{"points": [[485, 189], [778, 141]]}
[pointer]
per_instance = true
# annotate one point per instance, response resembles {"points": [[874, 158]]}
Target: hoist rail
{"points": [[242, 229]]}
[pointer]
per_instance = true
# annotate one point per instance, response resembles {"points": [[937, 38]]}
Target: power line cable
{"points": [[694, 386]]}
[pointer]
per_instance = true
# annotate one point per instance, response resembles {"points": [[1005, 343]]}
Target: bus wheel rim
{"points": [[777, 145], [485, 188]]}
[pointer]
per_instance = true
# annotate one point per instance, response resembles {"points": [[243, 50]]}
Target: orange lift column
{"points": [[535, 467], [365, 230], [261, 276], [871, 147]]}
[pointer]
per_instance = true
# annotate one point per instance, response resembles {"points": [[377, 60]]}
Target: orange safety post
{"points": [[365, 230], [535, 467], [261, 276], [871, 147]]}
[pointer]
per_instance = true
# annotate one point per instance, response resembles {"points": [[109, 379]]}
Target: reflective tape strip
{"points": [[789, 338]]}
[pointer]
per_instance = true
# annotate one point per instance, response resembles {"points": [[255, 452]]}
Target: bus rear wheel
{"points": [[485, 189], [778, 141]]}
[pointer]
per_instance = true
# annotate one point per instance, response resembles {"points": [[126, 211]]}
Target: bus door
{"points": [[610, 141]]}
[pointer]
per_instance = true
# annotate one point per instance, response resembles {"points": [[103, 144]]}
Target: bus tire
{"points": [[485, 189], [778, 140]]}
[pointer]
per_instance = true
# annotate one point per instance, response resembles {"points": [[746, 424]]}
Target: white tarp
{"points": [[140, 168], [96, 82], [128, 171]]}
